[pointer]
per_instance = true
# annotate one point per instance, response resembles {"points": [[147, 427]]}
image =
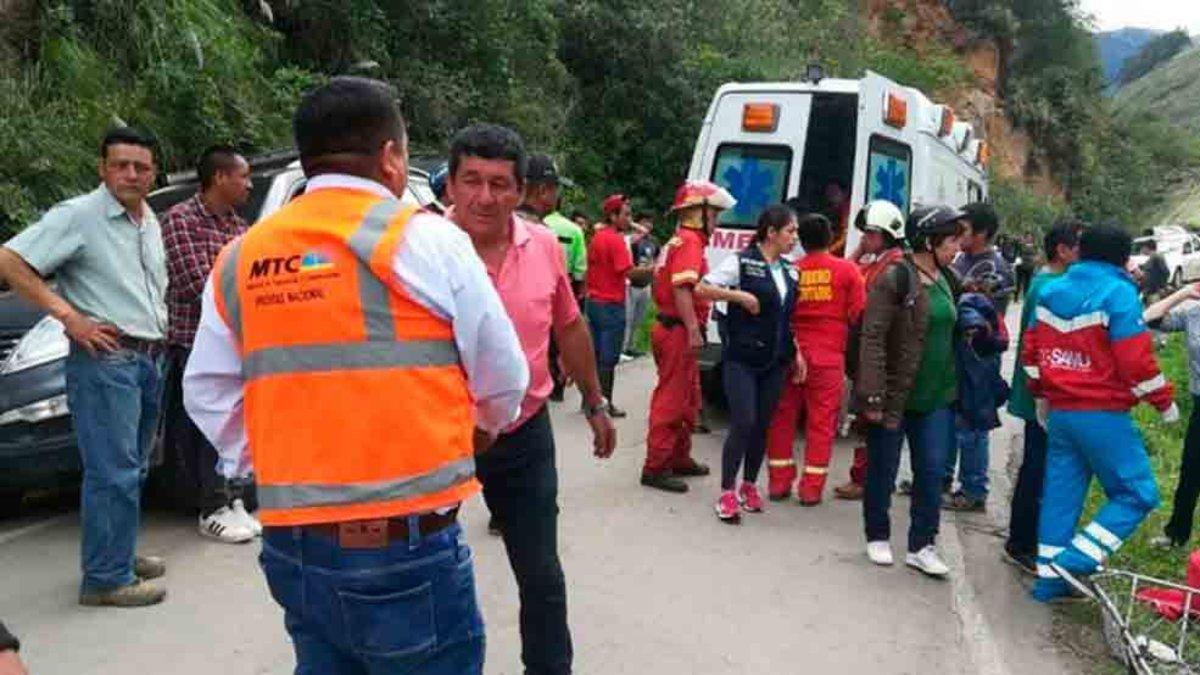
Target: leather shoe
{"points": [[664, 481], [149, 566], [138, 594], [693, 469]]}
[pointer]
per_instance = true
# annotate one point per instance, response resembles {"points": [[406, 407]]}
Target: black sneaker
{"points": [[691, 470], [494, 527], [701, 428], [615, 412], [663, 481], [959, 501], [1025, 562]]}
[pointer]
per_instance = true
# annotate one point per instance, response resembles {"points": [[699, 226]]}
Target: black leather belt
{"points": [[670, 321], [378, 533], [147, 347]]}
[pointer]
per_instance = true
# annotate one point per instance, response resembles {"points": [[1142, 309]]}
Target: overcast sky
{"points": [[1162, 14]]}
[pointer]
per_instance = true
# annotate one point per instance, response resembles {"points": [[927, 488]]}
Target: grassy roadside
{"points": [[1164, 443]]}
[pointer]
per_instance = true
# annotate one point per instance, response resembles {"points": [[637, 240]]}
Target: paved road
{"points": [[656, 585]]}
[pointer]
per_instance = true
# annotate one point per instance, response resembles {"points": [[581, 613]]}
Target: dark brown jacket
{"points": [[893, 337]]}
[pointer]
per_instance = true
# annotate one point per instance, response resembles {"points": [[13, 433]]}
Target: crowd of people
{"points": [[437, 339]]}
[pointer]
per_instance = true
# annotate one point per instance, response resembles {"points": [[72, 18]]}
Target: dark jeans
{"points": [[195, 457], [1179, 528], [752, 394], [1027, 495], [930, 436], [520, 486], [408, 607], [114, 400], [607, 322]]}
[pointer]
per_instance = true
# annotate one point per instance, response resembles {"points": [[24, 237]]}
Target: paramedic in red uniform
{"points": [[678, 335], [831, 297]]}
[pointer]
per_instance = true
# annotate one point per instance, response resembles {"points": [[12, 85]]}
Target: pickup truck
{"points": [[37, 445]]}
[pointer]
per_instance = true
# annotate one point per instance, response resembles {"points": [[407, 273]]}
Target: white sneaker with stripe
{"points": [[224, 525]]}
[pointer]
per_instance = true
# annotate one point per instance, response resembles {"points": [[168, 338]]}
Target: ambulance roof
{"points": [[829, 85]]}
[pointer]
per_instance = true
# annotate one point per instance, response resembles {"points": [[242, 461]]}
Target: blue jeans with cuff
{"points": [[970, 453], [114, 400], [930, 436], [407, 607]]}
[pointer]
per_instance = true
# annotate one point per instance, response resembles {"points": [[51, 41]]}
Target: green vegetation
{"points": [[1159, 50], [1169, 93], [616, 89]]}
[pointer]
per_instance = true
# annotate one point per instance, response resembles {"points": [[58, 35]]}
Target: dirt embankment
{"points": [[921, 23]]}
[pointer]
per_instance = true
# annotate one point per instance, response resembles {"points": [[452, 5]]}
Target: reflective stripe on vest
{"points": [[233, 301], [300, 496], [348, 356], [373, 293]]}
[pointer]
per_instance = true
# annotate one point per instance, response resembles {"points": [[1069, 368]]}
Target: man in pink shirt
{"points": [[520, 480]]}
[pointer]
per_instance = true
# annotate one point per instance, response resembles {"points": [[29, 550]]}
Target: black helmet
{"points": [[927, 221]]}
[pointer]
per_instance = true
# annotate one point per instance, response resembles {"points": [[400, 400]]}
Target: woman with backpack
{"points": [[907, 384]]}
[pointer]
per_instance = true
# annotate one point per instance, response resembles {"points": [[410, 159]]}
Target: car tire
{"points": [[11, 500]]}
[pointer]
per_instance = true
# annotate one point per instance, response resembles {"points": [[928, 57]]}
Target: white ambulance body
{"points": [[769, 142]]}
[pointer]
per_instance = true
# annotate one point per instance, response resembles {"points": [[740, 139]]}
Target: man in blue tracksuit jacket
{"points": [[1090, 359]]}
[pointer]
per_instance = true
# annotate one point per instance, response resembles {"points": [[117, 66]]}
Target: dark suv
{"points": [[37, 446]]}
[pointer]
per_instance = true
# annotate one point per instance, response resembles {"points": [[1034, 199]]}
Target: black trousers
{"points": [[520, 486], [1179, 528], [1027, 495], [195, 458]]}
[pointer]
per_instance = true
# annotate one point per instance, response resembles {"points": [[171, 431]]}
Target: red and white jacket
{"points": [[1089, 348]]}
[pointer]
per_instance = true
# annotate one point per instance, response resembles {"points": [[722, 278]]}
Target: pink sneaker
{"points": [[727, 508], [749, 498]]}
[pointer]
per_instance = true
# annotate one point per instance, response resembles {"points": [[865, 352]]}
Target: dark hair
{"points": [[799, 205], [578, 214], [815, 232], [1064, 232], [774, 217], [489, 141], [1148, 243], [346, 116], [215, 159], [644, 215], [1106, 243], [127, 136], [983, 218]]}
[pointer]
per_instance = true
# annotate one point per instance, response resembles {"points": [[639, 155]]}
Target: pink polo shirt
{"points": [[533, 286]]}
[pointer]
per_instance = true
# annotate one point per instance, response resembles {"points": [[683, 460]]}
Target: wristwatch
{"points": [[591, 411]]}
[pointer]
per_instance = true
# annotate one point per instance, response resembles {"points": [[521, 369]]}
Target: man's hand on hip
{"points": [[95, 337]]}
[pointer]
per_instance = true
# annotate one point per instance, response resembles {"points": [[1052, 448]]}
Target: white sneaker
{"points": [[239, 507], [928, 561], [226, 526], [880, 553]]}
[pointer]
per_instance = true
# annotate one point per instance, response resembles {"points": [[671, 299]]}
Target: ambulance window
{"points": [[974, 192], [889, 172], [756, 176]]}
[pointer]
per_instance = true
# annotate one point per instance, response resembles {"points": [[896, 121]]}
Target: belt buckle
{"points": [[363, 534]]}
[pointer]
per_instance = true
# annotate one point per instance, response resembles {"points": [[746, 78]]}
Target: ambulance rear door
{"points": [[752, 144], [884, 166]]}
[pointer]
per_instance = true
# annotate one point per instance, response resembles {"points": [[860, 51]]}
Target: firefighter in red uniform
{"points": [[831, 297], [678, 336], [882, 243]]}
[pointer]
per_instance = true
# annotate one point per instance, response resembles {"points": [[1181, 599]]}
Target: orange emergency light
{"points": [[984, 155], [947, 121], [760, 117], [895, 111]]}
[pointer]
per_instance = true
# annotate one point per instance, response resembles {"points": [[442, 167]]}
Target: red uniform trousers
{"points": [[820, 398], [675, 401]]}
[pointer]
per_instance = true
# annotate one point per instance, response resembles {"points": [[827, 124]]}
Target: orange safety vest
{"points": [[356, 405]]}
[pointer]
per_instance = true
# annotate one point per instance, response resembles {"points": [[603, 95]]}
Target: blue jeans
{"points": [[930, 436], [115, 400], [408, 607], [971, 454], [607, 321]]}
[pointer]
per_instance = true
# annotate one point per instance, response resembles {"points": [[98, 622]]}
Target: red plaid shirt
{"points": [[192, 236]]}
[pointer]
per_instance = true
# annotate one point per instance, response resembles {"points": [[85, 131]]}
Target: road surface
{"points": [[656, 584]]}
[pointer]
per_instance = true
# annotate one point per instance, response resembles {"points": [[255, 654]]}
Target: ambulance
{"points": [[869, 139]]}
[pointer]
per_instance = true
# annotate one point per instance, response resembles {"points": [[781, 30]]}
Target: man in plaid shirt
{"points": [[194, 233]]}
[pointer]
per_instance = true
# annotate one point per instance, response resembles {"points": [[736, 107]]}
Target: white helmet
{"points": [[881, 216]]}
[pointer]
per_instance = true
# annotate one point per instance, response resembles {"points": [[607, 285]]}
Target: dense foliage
{"points": [[1159, 50]]}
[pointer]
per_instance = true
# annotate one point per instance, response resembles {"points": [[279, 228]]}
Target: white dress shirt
{"points": [[438, 266]]}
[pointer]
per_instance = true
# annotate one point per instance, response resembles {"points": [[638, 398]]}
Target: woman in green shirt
{"points": [[908, 385]]}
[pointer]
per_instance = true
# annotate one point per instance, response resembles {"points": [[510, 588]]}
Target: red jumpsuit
{"points": [[676, 398], [831, 297]]}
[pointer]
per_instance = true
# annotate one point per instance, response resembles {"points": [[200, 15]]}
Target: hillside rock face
{"points": [[927, 22]]}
